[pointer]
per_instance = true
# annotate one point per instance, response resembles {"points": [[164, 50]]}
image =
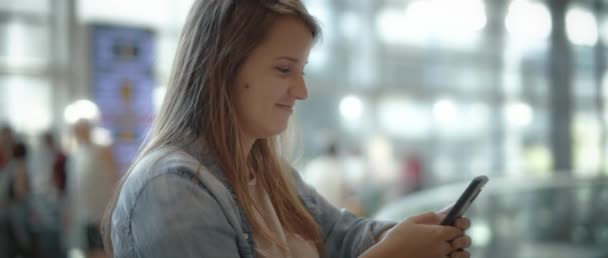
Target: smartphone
{"points": [[465, 200]]}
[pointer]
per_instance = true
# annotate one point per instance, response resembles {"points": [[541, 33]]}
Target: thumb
{"points": [[430, 218]]}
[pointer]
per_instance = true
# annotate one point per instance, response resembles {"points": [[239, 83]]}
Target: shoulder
{"points": [[157, 166], [168, 173], [166, 195]]}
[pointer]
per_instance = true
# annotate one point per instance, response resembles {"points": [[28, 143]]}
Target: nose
{"points": [[298, 89]]}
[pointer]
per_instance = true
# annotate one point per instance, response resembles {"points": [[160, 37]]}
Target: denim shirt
{"points": [[177, 203]]}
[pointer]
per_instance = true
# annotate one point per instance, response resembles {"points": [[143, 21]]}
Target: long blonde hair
{"points": [[216, 40]]}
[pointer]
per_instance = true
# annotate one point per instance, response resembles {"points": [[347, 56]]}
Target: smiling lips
{"points": [[285, 107]]}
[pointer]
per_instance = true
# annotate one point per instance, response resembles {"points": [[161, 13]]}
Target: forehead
{"points": [[287, 36]]}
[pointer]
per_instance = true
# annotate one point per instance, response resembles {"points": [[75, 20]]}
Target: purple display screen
{"points": [[122, 64]]}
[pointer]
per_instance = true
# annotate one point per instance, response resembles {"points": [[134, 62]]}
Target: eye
{"points": [[283, 70]]}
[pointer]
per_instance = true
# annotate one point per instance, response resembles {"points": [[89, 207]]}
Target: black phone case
{"points": [[465, 200]]}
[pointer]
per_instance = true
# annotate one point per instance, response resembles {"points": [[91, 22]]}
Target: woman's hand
{"points": [[463, 224], [421, 236]]}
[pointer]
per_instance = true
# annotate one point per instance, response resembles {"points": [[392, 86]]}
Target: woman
{"points": [[92, 176], [210, 182]]}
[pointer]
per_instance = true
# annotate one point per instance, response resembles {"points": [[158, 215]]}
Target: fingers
{"points": [[458, 245], [445, 249], [453, 241], [460, 254], [461, 242], [448, 233], [463, 223]]}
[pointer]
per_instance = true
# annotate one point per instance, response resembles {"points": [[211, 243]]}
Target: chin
{"points": [[276, 130], [270, 128]]}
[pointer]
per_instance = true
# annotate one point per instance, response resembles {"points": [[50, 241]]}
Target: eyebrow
{"points": [[293, 59]]}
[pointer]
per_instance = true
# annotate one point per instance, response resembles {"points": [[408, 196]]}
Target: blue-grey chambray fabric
{"points": [[177, 203]]}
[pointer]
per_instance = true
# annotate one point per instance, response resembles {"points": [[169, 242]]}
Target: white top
{"points": [[90, 184]]}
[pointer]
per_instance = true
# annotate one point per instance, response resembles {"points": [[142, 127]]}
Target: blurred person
{"points": [[48, 165], [91, 179], [19, 189], [358, 172], [57, 161], [356, 166], [6, 153], [6, 144], [383, 183], [411, 175], [51, 186], [210, 182]]}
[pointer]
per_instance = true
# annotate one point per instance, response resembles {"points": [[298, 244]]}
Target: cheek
{"points": [[256, 100], [250, 104], [275, 90]]}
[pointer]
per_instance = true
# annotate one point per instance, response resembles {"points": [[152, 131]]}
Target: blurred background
{"points": [[408, 101]]}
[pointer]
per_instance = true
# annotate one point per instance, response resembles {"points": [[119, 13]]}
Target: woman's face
{"points": [[271, 80]]}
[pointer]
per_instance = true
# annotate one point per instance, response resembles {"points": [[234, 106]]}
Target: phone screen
{"points": [[465, 200]]}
